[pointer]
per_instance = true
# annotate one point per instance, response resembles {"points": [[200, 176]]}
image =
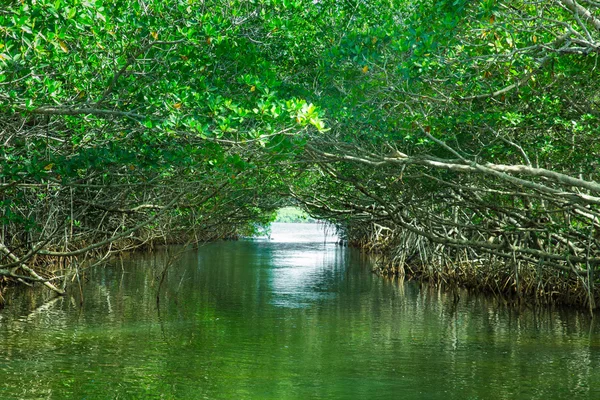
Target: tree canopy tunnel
{"points": [[459, 139]]}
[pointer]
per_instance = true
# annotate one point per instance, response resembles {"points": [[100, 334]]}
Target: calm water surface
{"points": [[290, 318]]}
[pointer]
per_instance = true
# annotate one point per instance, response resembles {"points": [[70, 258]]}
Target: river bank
{"points": [[402, 254], [279, 319], [56, 272]]}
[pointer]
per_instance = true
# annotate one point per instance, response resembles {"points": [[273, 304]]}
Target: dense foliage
{"points": [[459, 138], [124, 123], [469, 152]]}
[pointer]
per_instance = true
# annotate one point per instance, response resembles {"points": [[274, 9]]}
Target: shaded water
{"points": [[283, 319]]}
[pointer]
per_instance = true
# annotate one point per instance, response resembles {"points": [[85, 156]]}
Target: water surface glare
{"points": [[285, 319]]}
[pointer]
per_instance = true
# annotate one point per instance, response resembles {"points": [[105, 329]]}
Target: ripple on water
{"points": [[287, 320]]}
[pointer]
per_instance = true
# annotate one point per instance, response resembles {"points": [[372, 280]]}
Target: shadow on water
{"points": [[286, 319]]}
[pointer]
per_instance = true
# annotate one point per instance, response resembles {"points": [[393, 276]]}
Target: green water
{"points": [[284, 320]]}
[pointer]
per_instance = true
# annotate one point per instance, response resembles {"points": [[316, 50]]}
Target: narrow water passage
{"points": [[286, 319]]}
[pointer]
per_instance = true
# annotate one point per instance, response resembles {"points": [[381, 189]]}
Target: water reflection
{"points": [[299, 277], [302, 267], [302, 233], [285, 320]]}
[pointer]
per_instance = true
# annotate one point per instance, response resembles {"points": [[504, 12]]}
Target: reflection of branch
{"points": [[10, 274]]}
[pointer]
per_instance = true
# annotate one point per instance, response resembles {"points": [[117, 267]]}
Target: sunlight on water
{"points": [[297, 317], [302, 233], [306, 254]]}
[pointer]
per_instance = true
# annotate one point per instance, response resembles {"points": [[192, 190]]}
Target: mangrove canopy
{"points": [[458, 139]]}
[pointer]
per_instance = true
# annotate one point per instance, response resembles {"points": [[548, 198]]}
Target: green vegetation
{"points": [[293, 214], [457, 138]]}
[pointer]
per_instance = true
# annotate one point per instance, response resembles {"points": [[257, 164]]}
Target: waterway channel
{"points": [[294, 317]]}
